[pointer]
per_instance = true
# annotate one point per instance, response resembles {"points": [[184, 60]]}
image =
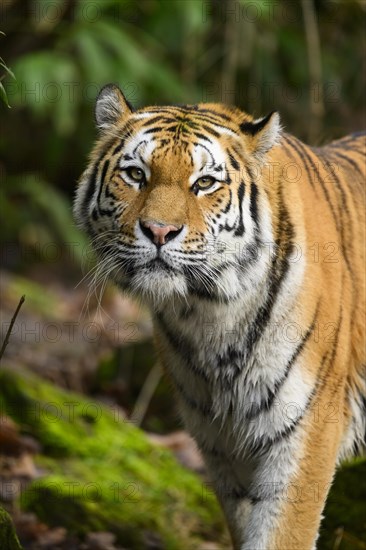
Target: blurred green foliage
{"points": [[6, 72], [253, 53], [8, 537]]}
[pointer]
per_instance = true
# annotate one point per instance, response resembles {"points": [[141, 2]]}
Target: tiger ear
{"points": [[111, 107], [262, 133]]}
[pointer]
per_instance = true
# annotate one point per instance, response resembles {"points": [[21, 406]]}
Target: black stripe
{"points": [[119, 147], [289, 152], [253, 206], [110, 195], [320, 179], [324, 377], [229, 364], [201, 136], [266, 403], [277, 274], [158, 118], [214, 121], [265, 444], [227, 207], [240, 230], [234, 162], [205, 294], [90, 190], [209, 130], [326, 163], [139, 145], [214, 114], [344, 223], [104, 171], [241, 493], [206, 290], [207, 150], [235, 493], [347, 139], [212, 451], [174, 128], [204, 118], [204, 410], [91, 184], [326, 363], [183, 107], [154, 130], [182, 347], [350, 161], [193, 110], [253, 128], [304, 157], [349, 148]]}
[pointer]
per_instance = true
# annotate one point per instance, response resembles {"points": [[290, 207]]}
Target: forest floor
{"points": [[96, 351]]}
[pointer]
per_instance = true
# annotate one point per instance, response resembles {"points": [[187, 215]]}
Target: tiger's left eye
{"points": [[204, 183], [136, 174]]}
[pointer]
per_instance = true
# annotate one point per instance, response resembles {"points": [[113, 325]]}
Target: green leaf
{"points": [[46, 208], [6, 68], [3, 95], [95, 59], [48, 84]]}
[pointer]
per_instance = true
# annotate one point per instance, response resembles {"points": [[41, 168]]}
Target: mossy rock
{"points": [[102, 473], [8, 538]]}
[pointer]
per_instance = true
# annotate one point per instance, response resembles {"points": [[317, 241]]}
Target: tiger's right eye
{"points": [[135, 174]]}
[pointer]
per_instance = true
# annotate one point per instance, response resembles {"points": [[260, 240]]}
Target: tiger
{"points": [[248, 248]]}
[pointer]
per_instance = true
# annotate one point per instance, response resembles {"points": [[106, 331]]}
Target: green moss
{"points": [[103, 474], [8, 538], [344, 525]]}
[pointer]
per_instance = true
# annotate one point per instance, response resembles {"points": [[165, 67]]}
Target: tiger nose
{"points": [[159, 233]]}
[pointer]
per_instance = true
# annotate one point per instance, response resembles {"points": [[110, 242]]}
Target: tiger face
{"points": [[173, 198]]}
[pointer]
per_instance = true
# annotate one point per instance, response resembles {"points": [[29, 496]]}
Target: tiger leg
{"points": [[301, 504], [278, 504], [230, 493], [300, 507]]}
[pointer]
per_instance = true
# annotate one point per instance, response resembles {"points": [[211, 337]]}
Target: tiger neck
{"points": [[218, 324]]}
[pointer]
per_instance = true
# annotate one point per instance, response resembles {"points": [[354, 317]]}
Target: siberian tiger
{"points": [[248, 247]]}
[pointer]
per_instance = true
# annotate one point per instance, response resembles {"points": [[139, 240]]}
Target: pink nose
{"points": [[159, 233]]}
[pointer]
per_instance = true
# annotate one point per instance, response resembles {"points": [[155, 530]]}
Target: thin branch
{"points": [[315, 67], [146, 393], [10, 328], [231, 53]]}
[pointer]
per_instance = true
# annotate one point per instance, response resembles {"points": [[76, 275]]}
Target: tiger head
{"points": [[174, 197]]}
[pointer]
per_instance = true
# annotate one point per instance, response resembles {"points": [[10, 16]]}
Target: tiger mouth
{"points": [[159, 263]]}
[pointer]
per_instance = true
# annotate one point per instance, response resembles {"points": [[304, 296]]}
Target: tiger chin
{"points": [[248, 246]]}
